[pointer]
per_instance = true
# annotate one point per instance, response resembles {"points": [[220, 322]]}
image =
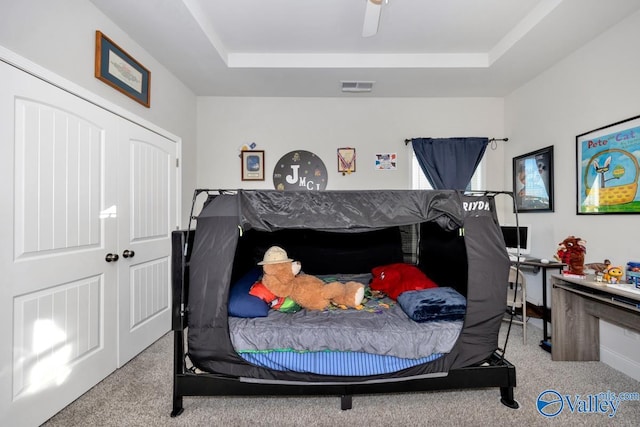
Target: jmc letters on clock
{"points": [[300, 170]]}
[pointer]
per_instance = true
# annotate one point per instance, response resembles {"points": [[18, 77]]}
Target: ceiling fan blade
{"points": [[371, 18]]}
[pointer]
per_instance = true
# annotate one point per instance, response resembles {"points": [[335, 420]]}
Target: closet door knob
{"points": [[128, 254], [111, 257]]}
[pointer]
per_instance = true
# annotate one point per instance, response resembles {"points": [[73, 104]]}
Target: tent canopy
{"points": [[225, 217]]}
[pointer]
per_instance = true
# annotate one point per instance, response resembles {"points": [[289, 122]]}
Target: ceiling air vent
{"points": [[357, 86]]}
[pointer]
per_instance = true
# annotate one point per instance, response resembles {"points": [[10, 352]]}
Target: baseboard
{"points": [[620, 363], [620, 349]]}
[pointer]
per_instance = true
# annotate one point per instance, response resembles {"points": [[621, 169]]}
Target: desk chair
{"points": [[517, 298]]}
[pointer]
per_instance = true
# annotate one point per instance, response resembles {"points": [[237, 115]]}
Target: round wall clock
{"points": [[300, 170]]}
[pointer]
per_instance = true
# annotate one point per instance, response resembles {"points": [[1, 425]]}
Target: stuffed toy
{"points": [[571, 251], [613, 274], [599, 267], [394, 279], [306, 290], [285, 305]]}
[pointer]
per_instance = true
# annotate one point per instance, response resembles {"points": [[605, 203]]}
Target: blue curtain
{"points": [[449, 163]]}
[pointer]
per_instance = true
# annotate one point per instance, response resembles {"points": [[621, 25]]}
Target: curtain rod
{"points": [[408, 140]]}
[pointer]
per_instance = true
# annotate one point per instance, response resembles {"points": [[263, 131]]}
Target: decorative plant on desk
{"points": [[571, 251]]}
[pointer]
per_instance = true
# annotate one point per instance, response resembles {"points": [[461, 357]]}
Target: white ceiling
{"points": [[424, 48]]}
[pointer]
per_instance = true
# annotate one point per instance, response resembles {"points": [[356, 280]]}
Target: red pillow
{"points": [[394, 279]]}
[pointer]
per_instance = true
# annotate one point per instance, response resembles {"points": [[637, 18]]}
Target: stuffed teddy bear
{"points": [[307, 291]]}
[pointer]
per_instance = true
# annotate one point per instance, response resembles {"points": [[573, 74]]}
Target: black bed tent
{"points": [[460, 245]]}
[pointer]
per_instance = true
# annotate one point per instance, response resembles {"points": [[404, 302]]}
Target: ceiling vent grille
{"points": [[357, 86]]}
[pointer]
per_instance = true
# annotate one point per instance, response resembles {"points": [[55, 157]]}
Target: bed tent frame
{"points": [[474, 362]]}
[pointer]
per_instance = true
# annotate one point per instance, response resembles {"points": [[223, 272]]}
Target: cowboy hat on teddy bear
{"points": [[307, 291]]}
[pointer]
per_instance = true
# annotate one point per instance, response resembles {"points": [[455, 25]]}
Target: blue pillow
{"points": [[434, 304], [241, 304]]}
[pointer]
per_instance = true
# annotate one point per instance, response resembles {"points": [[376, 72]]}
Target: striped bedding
{"points": [[338, 363]]}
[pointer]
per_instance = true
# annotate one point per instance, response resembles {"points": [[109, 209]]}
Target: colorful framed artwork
{"points": [[608, 169], [119, 70], [386, 161], [533, 181], [346, 160], [252, 165]]}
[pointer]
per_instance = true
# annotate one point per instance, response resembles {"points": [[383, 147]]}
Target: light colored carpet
{"points": [[139, 394]]}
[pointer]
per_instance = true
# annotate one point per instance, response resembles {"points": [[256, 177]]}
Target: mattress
{"points": [[381, 327], [345, 363]]}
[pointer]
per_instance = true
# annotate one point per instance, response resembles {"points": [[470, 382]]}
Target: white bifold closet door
{"points": [[80, 185], [147, 206]]}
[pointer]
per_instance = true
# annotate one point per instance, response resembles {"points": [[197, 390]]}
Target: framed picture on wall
{"points": [[533, 181], [121, 71], [386, 161], [607, 169], [346, 160], [252, 165]]}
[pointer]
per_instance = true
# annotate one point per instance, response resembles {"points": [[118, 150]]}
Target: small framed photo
{"points": [[533, 181], [386, 161], [608, 169], [346, 160], [119, 70], [252, 165]]}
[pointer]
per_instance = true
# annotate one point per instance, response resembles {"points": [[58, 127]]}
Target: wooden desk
{"points": [[578, 304], [537, 266]]}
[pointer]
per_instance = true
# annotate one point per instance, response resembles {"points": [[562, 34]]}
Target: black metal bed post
{"points": [[179, 241], [178, 369]]}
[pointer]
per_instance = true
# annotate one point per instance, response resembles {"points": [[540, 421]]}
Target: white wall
{"points": [[59, 35], [596, 86], [322, 125]]}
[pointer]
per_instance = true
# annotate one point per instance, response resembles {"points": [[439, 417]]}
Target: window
{"points": [[420, 182], [410, 233]]}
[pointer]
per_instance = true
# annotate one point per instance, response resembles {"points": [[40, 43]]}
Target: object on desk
{"points": [[613, 274], [544, 261], [567, 273], [571, 252], [633, 273], [598, 267]]}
